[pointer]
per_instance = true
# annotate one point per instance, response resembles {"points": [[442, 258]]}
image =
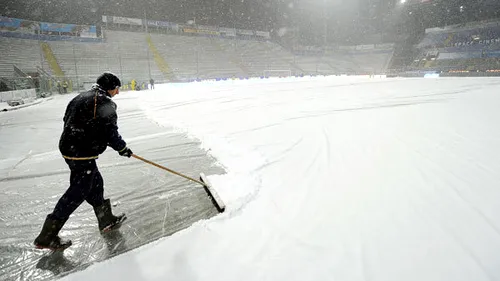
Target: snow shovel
{"points": [[216, 200]]}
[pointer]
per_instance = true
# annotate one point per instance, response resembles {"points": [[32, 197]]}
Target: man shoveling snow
{"points": [[90, 126]]}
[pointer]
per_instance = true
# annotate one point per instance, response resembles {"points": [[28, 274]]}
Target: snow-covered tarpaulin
{"points": [[33, 176], [334, 178]]}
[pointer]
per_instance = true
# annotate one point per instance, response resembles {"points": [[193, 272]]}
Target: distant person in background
{"points": [[152, 83], [59, 87], [3, 87], [90, 126], [133, 84], [65, 87]]}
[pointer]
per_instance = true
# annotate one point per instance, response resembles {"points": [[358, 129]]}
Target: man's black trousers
{"points": [[86, 184]]}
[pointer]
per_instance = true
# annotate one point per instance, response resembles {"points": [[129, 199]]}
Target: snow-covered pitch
{"points": [[334, 178]]}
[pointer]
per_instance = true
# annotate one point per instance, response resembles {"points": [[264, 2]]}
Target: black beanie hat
{"points": [[108, 81]]}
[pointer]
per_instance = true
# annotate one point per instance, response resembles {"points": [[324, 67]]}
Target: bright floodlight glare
{"points": [[402, 1]]}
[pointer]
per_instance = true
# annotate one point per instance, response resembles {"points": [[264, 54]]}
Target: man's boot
{"points": [[48, 237], [107, 221]]}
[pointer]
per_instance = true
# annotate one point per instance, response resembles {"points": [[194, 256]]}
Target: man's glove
{"points": [[126, 152]]}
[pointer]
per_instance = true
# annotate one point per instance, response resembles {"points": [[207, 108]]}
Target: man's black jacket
{"points": [[90, 126]]}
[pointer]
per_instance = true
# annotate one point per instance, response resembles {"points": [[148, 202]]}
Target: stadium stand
{"points": [[139, 55], [359, 59], [467, 47], [124, 53], [196, 57], [25, 54]]}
